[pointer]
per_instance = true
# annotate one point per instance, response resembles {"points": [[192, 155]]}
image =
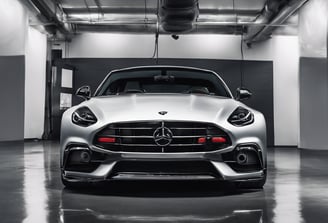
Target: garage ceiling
{"points": [[109, 11], [255, 18]]}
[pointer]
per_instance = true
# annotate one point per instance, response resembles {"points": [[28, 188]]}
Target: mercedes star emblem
{"points": [[163, 136]]}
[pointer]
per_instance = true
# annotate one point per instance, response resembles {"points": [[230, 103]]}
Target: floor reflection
{"points": [[314, 189], [12, 208], [163, 202], [287, 186], [31, 191], [35, 194]]}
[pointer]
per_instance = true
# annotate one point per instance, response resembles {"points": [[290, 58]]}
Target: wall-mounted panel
{"points": [[12, 85], [35, 83], [313, 103]]}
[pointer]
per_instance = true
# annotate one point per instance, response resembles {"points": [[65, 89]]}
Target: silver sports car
{"points": [[163, 123]]}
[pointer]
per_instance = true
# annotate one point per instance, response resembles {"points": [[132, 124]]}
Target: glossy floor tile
{"points": [[31, 191]]}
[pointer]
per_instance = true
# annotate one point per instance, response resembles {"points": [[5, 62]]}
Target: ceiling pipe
{"points": [[171, 17], [115, 28], [39, 21], [123, 18], [283, 15], [48, 17], [274, 14], [34, 10], [270, 9], [151, 29], [141, 10]]}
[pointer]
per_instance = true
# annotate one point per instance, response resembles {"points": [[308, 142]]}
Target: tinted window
{"points": [[171, 80]]}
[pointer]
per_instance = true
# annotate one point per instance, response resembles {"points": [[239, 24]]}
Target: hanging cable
{"points": [[155, 53], [157, 36], [241, 64], [242, 60], [155, 46], [146, 18], [88, 8], [234, 12]]}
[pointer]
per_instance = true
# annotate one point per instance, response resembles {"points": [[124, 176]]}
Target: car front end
{"points": [[163, 136]]}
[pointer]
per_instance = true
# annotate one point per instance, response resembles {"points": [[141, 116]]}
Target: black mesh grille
{"points": [[165, 167], [139, 137]]}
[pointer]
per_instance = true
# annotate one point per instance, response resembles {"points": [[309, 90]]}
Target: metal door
{"points": [[61, 95]]}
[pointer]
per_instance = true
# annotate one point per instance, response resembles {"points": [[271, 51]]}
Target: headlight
{"points": [[83, 117], [241, 117]]}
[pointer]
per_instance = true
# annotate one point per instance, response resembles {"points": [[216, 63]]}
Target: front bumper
{"points": [[219, 168]]}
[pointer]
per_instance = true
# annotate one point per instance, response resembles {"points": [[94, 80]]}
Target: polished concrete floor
{"points": [[31, 191]]}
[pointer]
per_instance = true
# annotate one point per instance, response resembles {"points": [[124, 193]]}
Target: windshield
{"points": [[163, 80]]}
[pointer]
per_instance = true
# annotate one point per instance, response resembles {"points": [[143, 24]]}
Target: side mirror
{"points": [[84, 92], [243, 94]]}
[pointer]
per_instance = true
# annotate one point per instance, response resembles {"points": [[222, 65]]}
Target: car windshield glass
{"points": [[185, 81]]}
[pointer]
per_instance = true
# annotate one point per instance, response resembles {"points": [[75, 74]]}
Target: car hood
{"points": [[189, 107]]}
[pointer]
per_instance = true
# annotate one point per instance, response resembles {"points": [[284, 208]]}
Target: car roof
{"points": [[162, 67]]}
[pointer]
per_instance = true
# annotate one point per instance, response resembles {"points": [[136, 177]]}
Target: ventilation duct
{"points": [[178, 16], [46, 14], [151, 28], [275, 13]]}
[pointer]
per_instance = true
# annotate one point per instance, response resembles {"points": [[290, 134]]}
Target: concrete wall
{"points": [[314, 103], [35, 60], [12, 98], [313, 75], [313, 29], [282, 50], [22, 66], [13, 28]]}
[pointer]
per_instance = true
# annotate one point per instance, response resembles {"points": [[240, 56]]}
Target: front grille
{"points": [[139, 137]]}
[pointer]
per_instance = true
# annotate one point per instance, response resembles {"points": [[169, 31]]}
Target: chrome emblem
{"points": [[163, 136], [162, 112]]}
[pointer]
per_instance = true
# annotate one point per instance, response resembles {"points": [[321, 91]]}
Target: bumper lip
{"points": [[161, 155], [102, 173]]}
